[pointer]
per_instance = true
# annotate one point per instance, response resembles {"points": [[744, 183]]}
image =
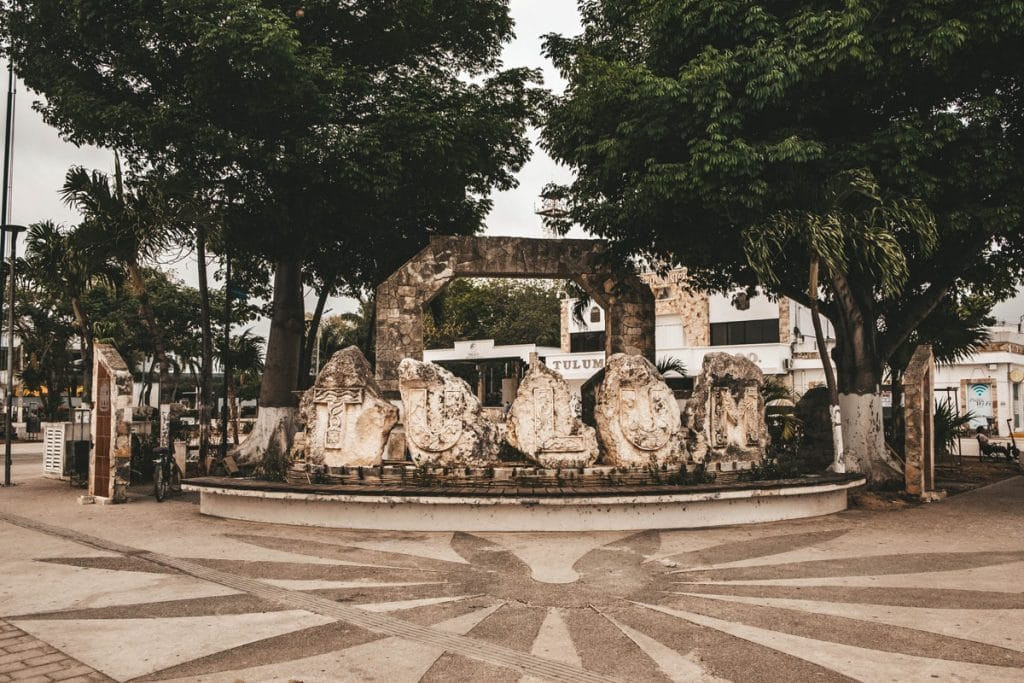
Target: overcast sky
{"points": [[41, 158]]}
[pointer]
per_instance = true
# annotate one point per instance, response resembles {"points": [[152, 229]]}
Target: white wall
{"points": [[669, 332], [721, 310], [587, 325], [800, 317]]}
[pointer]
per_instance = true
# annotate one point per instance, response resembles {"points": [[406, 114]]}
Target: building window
{"points": [[17, 358], [669, 332], [581, 342], [1016, 406], [745, 332], [595, 315]]}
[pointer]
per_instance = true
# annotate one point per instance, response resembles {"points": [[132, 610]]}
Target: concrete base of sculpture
{"points": [[471, 510]]}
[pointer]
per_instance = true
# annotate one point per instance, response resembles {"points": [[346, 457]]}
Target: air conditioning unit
{"points": [[787, 364]]}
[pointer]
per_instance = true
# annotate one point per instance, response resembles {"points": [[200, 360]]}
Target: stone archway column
{"points": [[400, 301], [629, 312], [628, 302]]}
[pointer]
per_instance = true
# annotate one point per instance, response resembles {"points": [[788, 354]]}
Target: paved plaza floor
{"points": [[149, 591]]}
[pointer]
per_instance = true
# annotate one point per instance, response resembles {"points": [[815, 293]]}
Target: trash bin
{"points": [[79, 463]]}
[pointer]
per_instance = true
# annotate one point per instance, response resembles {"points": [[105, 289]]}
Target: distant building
{"points": [[777, 335]]}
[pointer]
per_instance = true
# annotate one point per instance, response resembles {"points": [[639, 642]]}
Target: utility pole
{"points": [[14, 230], [5, 212]]}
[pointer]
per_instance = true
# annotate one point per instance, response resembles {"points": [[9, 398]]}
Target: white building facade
{"points": [[777, 335]]}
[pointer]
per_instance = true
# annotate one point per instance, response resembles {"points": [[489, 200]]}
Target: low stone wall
{"points": [[472, 510]]}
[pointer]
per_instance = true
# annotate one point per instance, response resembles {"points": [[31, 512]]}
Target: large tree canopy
{"points": [[695, 125], [345, 122], [352, 129]]}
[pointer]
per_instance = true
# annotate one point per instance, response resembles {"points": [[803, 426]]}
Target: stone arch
{"points": [[626, 300]]}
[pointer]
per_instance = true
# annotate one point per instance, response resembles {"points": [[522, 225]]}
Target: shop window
{"points": [[580, 342], [745, 332]]}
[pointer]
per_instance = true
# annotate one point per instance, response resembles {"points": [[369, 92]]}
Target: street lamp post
{"points": [[14, 230]]}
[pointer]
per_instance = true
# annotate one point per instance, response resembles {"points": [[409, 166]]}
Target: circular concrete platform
{"points": [[477, 509]]}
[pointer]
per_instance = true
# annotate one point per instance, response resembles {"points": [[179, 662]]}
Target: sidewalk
{"points": [[149, 591], [28, 659]]}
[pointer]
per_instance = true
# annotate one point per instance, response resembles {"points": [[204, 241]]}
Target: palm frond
{"points": [[668, 364]]}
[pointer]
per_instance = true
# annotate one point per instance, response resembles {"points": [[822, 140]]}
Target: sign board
{"points": [[980, 402], [576, 365]]}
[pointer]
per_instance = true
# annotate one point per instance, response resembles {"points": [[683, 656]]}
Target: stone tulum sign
{"points": [[347, 420], [636, 414], [577, 365], [543, 425], [627, 301], [444, 423], [727, 410]]}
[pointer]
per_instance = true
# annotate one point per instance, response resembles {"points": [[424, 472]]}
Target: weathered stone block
{"points": [[109, 460], [444, 423], [919, 421], [726, 411], [403, 294], [347, 420], [396, 446], [542, 424], [636, 414]]}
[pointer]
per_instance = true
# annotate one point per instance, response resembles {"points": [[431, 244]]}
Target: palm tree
{"points": [[668, 364], [129, 225], [246, 357], [956, 329], [351, 329], [779, 406], [66, 265]]}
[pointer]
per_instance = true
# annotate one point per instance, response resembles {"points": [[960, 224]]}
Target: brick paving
{"points": [[30, 660]]}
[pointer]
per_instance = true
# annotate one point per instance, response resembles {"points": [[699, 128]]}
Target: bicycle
{"points": [[166, 474]]}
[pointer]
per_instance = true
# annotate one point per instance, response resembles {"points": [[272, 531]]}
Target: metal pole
{"points": [[227, 351], [5, 203], [8, 134], [10, 360]]}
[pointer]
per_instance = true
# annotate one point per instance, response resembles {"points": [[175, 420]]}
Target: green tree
{"points": [[357, 127], [507, 311], [695, 125], [955, 330], [243, 383], [126, 223], [47, 328], [60, 263], [349, 329]]}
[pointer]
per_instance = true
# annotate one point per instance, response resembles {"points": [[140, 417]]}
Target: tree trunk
{"points": [[177, 383], [233, 409], [148, 320], [275, 422], [87, 340], [206, 360], [896, 424], [859, 382], [834, 411], [147, 385], [309, 343]]}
